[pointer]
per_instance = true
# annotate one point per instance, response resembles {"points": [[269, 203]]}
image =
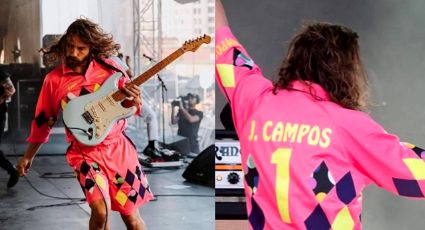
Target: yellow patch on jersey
{"points": [[416, 167], [343, 220], [227, 75]]}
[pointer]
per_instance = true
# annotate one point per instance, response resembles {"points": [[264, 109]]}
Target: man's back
{"points": [[306, 159], [294, 159]]}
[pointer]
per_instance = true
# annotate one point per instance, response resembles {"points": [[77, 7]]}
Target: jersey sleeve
{"points": [[384, 160], [237, 76], [234, 67], [46, 113]]}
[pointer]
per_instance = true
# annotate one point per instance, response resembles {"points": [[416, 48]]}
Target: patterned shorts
{"points": [[111, 172]]}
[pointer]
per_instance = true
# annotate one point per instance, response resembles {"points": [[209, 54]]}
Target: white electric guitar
{"points": [[90, 117]]}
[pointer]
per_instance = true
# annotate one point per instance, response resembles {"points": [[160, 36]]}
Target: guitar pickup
{"points": [[102, 107], [88, 117]]}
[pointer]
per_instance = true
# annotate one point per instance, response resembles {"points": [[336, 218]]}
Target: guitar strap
{"points": [[109, 66]]}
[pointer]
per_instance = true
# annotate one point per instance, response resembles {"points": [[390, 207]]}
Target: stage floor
{"points": [[179, 204]]}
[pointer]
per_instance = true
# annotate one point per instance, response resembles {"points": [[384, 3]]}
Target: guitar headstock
{"points": [[194, 44]]}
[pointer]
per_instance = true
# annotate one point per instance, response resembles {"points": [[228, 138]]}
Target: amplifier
{"points": [[27, 94], [228, 167], [229, 177]]}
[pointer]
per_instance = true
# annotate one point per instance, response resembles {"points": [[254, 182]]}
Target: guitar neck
{"points": [[119, 95]]}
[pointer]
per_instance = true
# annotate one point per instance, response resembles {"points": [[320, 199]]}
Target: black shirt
{"points": [[190, 130]]}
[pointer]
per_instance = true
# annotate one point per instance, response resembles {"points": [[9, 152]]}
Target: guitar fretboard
{"points": [[119, 95]]}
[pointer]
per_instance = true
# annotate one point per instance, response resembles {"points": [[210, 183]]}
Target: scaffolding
{"points": [[147, 31], [147, 42]]}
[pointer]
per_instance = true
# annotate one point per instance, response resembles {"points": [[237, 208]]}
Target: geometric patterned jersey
{"points": [[306, 159], [54, 97]]}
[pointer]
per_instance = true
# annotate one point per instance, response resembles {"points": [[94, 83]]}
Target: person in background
{"points": [[188, 118], [6, 91]]}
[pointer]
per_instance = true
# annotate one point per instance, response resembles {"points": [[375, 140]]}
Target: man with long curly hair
{"points": [[307, 149], [109, 173]]}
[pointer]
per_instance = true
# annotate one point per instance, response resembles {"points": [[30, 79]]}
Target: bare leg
{"points": [[99, 218], [134, 221]]}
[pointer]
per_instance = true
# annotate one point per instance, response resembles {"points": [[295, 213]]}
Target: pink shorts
{"points": [[112, 172]]}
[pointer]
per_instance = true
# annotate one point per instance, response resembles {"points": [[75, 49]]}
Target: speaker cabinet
{"points": [[201, 169]]}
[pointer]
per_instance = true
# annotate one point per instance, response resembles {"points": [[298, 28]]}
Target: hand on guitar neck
{"points": [[133, 93]]}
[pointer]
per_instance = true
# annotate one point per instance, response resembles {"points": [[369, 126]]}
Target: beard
{"points": [[73, 62]]}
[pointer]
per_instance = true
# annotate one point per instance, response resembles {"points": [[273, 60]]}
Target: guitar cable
{"points": [[87, 132]]}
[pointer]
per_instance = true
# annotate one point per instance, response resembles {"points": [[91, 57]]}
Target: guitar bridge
{"points": [[87, 117]]}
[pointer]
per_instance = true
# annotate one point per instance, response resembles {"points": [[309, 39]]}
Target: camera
{"points": [[183, 99]]}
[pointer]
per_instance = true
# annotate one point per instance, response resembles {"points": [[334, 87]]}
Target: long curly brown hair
{"points": [[328, 55], [101, 44]]}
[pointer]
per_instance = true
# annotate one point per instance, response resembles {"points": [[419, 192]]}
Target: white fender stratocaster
{"points": [[90, 117]]}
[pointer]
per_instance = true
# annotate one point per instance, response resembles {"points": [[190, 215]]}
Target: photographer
{"points": [[188, 119]]}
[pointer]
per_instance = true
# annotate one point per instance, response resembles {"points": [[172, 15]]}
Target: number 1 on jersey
{"points": [[281, 158]]}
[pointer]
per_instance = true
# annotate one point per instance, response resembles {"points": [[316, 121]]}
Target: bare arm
{"points": [[9, 90], [189, 117], [26, 161], [220, 15]]}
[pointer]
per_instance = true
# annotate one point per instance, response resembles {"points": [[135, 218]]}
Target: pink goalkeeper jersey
{"points": [[306, 159], [54, 97]]}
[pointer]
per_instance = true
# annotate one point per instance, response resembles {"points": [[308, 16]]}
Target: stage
{"points": [[179, 204]]}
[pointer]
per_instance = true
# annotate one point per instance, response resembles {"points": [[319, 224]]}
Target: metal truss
{"points": [[147, 31]]}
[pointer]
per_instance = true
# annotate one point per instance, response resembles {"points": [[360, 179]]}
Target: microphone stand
{"points": [[163, 89]]}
